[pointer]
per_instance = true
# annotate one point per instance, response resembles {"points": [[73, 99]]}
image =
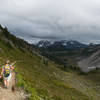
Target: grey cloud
{"points": [[52, 19]]}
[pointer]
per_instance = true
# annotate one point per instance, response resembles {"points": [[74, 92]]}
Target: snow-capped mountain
{"points": [[44, 43], [61, 45]]}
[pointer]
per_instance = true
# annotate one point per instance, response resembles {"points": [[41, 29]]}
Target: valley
{"points": [[46, 81]]}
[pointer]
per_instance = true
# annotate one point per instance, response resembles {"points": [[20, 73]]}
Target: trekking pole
{"points": [[13, 63]]}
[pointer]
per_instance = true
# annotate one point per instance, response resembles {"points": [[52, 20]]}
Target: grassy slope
{"points": [[48, 82]]}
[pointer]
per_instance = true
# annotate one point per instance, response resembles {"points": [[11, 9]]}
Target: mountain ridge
{"points": [[70, 56], [60, 45]]}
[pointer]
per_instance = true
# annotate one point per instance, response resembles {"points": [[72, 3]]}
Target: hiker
{"points": [[6, 73]]}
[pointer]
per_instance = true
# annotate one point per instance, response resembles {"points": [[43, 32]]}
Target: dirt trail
{"points": [[8, 94]]}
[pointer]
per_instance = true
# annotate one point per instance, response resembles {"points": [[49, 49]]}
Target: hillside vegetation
{"points": [[45, 81]]}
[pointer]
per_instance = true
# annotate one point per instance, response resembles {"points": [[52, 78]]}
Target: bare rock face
{"points": [[90, 63]]}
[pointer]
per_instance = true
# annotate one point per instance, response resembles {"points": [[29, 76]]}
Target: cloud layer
{"points": [[52, 19]]}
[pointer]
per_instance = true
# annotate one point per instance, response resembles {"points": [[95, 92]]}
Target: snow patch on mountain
{"points": [[66, 44]]}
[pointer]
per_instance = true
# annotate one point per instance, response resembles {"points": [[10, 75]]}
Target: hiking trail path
{"points": [[8, 94]]}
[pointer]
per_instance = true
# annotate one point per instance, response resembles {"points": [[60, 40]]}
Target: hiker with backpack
{"points": [[6, 73]]}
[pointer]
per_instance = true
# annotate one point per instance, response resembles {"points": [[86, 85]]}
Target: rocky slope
{"points": [[90, 63]]}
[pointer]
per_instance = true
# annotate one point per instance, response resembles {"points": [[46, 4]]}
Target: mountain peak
{"points": [[64, 44]]}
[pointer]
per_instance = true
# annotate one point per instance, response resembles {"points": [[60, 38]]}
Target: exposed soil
{"points": [[11, 93]]}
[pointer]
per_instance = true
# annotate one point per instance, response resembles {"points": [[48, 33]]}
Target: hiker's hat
{"points": [[7, 61]]}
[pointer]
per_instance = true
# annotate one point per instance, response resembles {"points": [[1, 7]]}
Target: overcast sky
{"points": [[52, 19]]}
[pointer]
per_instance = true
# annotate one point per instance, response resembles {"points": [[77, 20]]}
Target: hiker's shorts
{"points": [[7, 78]]}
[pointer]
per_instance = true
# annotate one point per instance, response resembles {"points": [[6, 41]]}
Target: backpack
{"points": [[6, 70]]}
